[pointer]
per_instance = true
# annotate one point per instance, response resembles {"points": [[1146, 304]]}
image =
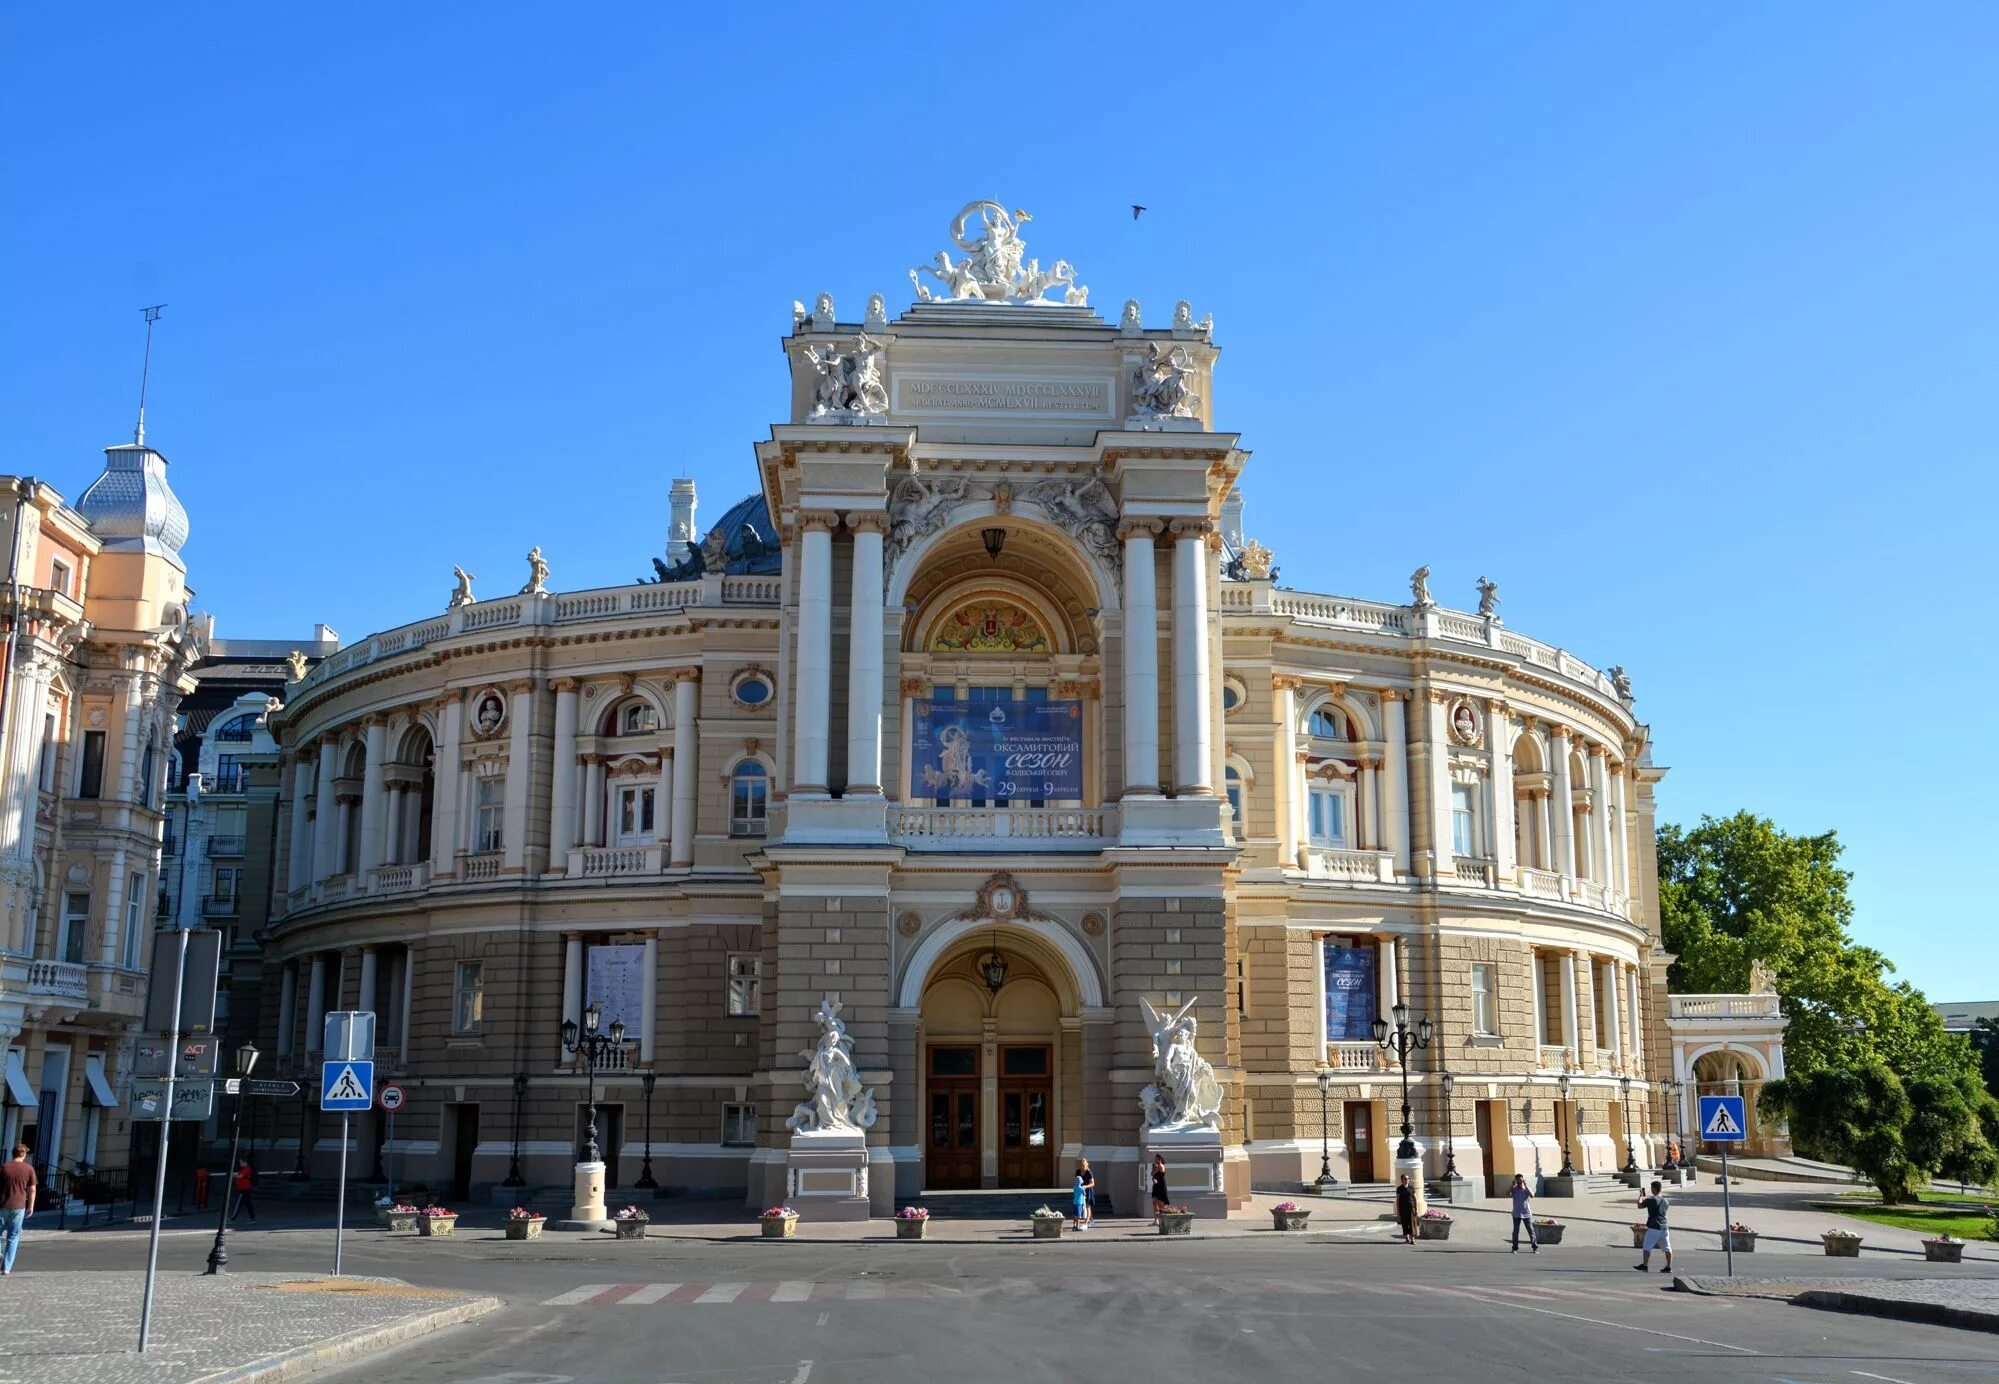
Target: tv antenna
{"points": [[152, 315]]}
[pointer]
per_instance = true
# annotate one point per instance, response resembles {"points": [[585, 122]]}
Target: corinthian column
{"points": [[1141, 657], [864, 656], [815, 649], [686, 691], [1563, 813], [1192, 732]]}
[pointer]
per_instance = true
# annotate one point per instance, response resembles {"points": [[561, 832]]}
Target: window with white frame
{"points": [[1329, 811], [1232, 784], [489, 808], [134, 901], [749, 799], [1327, 723], [739, 1125], [638, 719], [59, 576], [468, 1002], [1464, 819], [75, 928], [1484, 1000], [633, 814], [746, 984]]}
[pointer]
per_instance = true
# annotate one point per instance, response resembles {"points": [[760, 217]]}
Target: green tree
{"points": [[1985, 1038], [1736, 890], [1852, 1115]]}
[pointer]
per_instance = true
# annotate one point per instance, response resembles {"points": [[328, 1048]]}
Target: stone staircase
{"points": [[1002, 1204]]}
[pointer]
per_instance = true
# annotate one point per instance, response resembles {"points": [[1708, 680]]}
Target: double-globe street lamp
{"points": [[1403, 1040], [218, 1254], [1326, 1178], [1630, 1148], [1671, 1089], [592, 1046]]}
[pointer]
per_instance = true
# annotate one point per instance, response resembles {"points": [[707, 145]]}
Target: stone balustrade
{"points": [[1723, 1007], [1004, 828]]}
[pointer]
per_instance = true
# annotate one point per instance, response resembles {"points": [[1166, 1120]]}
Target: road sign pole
{"points": [[340, 1203], [1727, 1216], [160, 1166], [392, 1158]]}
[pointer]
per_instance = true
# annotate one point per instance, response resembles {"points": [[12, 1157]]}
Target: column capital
{"points": [[1496, 706], [684, 675], [517, 686], [913, 687], [375, 720], [1560, 731], [866, 521], [1128, 529], [564, 684], [1284, 682], [1598, 752], [329, 740], [825, 520], [1393, 694], [1192, 528]]}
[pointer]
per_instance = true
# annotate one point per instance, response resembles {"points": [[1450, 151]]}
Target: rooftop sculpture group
{"points": [[995, 268]]}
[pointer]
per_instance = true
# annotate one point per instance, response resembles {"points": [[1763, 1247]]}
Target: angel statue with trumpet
{"points": [[1184, 1093]]}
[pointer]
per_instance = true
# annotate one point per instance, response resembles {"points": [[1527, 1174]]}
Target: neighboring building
{"points": [[712, 801], [99, 643], [1964, 1016]]}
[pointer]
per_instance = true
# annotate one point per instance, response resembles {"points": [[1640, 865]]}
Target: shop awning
{"points": [[98, 1089], [19, 1090]]}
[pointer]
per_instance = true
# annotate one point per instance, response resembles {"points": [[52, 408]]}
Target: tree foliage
{"points": [[1736, 890], [1897, 1134]]}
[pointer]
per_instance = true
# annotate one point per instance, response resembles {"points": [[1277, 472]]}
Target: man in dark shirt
{"points": [[17, 1203], [1657, 1235]]}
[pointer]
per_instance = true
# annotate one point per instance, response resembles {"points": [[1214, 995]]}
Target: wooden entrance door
{"points": [[1026, 1095], [951, 1136], [1360, 1141], [1482, 1131]]}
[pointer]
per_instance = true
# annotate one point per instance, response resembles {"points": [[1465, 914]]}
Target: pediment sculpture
{"points": [[995, 268], [1162, 385], [849, 388]]}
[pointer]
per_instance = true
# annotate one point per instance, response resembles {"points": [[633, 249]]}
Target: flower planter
{"points": [[779, 1227], [1176, 1222], [1047, 1227], [1433, 1228], [1842, 1246], [1637, 1237], [1548, 1234], [397, 1220], [630, 1229], [524, 1230], [910, 1227], [1943, 1252], [436, 1225], [1290, 1220], [1740, 1241]]}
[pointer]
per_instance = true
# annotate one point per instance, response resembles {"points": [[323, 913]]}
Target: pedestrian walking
{"points": [[1523, 1213], [243, 1181], [1085, 1194], [17, 1203], [1657, 1234], [1405, 1209], [1160, 1201]]}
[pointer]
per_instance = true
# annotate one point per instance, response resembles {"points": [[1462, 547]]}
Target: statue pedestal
{"points": [[1194, 1172], [1413, 1168], [826, 1175], [587, 1212]]}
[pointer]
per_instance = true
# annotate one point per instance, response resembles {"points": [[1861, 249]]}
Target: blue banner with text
{"points": [[997, 751], [1350, 994]]}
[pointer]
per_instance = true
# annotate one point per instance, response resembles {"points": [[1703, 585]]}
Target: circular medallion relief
{"points": [[489, 713], [1093, 924], [1467, 728], [1002, 899], [909, 924]]}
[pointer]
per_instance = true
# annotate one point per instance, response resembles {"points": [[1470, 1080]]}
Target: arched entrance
{"points": [[999, 1071]]}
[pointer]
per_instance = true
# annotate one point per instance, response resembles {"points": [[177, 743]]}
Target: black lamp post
{"points": [[1403, 1040], [592, 1047], [1527, 1128], [218, 1254], [1451, 1173], [513, 1177], [1671, 1090], [1326, 1178], [646, 1182], [1568, 1129], [1630, 1147]]}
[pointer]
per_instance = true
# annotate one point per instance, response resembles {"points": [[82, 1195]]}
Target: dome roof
{"points": [[131, 506], [742, 542]]}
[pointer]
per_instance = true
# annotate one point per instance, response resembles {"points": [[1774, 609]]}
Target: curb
{"points": [[341, 1349], [1928, 1313]]}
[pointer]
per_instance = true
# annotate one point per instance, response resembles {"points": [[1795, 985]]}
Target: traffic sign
{"points": [[1722, 1120], [347, 1085], [262, 1087], [392, 1098], [193, 1100], [350, 1035]]}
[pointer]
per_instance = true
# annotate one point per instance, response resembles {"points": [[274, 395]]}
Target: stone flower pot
{"points": [[630, 1229], [1433, 1228], [1740, 1241], [1047, 1227], [437, 1225], [1637, 1237], [1176, 1222], [1842, 1246], [1290, 1220], [1549, 1234], [779, 1227], [910, 1227], [524, 1230], [1939, 1252], [397, 1220]]}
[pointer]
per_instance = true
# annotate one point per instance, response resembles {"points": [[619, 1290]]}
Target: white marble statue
{"points": [[822, 312], [995, 268], [1162, 384], [1256, 561], [1083, 508], [917, 508], [1620, 682], [835, 1099], [461, 591], [1131, 323], [1183, 316], [537, 573], [1419, 587], [877, 318], [850, 387], [1184, 1093], [799, 316], [295, 666]]}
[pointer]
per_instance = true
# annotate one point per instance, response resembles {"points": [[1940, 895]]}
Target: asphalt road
{"points": [[1299, 1308]]}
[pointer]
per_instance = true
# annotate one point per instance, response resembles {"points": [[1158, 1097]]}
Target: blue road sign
{"points": [[347, 1085], [1722, 1120]]}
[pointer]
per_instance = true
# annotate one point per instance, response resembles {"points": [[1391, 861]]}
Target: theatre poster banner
{"points": [[997, 751], [617, 981], [1350, 992]]}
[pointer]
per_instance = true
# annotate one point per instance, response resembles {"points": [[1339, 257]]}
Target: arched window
{"points": [[638, 719], [237, 730], [1327, 723], [749, 799]]}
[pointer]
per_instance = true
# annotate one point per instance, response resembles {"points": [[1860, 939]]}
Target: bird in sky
{"points": [[1135, 210]]}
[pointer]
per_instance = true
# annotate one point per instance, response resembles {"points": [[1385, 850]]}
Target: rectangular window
{"points": [[228, 774], [739, 1126], [59, 576], [1599, 991], [745, 983], [635, 815], [90, 776], [749, 800], [489, 809], [75, 927], [134, 902], [1464, 836], [1328, 817], [468, 1005], [47, 777], [1484, 1000]]}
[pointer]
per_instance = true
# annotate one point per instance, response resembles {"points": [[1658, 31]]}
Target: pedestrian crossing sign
{"points": [[347, 1085], [1722, 1120]]}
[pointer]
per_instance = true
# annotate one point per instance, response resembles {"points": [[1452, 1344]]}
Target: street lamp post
{"points": [[1568, 1129], [591, 1046], [1326, 1178], [1670, 1088], [1450, 1133], [1403, 1040], [513, 1177], [1630, 1148], [646, 1182], [218, 1254]]}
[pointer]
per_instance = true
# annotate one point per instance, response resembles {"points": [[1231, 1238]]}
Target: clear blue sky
{"points": [[1678, 321]]}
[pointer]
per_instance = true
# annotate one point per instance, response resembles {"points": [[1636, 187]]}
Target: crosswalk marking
{"points": [[648, 1295], [579, 1295], [722, 1292], [792, 1290]]}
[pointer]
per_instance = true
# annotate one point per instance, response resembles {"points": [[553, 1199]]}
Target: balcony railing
{"points": [[399, 879], [599, 862], [1542, 884], [1004, 828], [1367, 867], [225, 781], [1473, 870], [481, 866], [1555, 1057], [1724, 1007], [59, 980], [1353, 1057], [219, 906], [225, 846]]}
